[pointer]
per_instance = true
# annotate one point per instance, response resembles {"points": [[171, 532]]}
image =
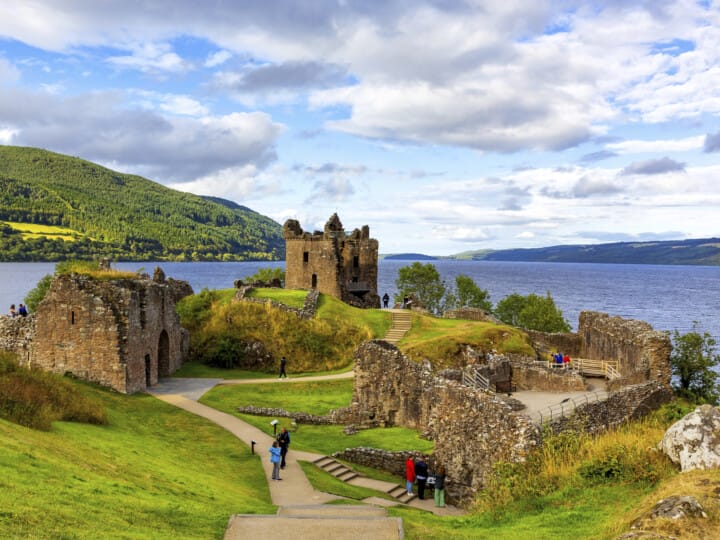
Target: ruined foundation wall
{"points": [[472, 430], [16, 336], [634, 344]]}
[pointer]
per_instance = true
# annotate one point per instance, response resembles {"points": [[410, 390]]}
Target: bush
{"points": [[36, 295], [36, 399]]}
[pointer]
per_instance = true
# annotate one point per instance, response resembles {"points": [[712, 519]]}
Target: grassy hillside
{"points": [[154, 471], [699, 251], [95, 211]]}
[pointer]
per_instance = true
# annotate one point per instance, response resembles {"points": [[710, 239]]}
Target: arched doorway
{"points": [[164, 355]]}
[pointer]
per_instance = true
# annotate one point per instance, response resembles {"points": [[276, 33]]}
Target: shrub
{"points": [[36, 295], [36, 399]]}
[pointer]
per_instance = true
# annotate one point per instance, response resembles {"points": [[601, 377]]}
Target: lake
{"points": [[668, 297]]}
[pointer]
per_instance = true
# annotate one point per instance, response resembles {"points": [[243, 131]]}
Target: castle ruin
{"points": [[342, 265], [120, 333]]}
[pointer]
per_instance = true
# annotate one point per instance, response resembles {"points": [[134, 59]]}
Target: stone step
{"points": [[347, 475], [331, 510], [325, 460], [400, 493], [242, 527]]}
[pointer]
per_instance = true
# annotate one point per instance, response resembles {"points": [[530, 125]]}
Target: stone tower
{"points": [[334, 263]]}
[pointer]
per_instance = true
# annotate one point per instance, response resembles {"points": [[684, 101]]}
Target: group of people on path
{"points": [[278, 451], [21, 311], [416, 471]]}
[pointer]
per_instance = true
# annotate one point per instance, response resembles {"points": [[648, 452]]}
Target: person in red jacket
{"points": [[409, 474]]}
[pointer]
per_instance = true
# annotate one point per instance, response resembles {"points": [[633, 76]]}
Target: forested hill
{"points": [[54, 207], [702, 251]]}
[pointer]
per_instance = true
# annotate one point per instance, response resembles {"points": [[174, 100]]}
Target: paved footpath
{"points": [[294, 490]]}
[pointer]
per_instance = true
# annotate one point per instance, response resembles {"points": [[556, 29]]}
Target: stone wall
{"points": [[339, 264], [124, 334], [471, 314], [539, 377], [642, 353], [307, 312], [16, 335], [634, 344], [629, 403], [472, 430]]}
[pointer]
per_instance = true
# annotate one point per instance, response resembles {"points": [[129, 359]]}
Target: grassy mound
{"points": [[154, 471], [442, 341], [36, 399], [220, 331]]}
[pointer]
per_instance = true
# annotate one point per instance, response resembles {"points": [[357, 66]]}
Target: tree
{"points": [[422, 282], [36, 295], [693, 359], [532, 312], [266, 275], [468, 294]]}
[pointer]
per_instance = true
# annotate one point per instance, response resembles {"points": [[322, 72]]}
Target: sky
{"points": [[444, 125]]}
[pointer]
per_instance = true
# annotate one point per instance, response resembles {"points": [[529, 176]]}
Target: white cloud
{"points": [[657, 146], [151, 57], [237, 184], [8, 72], [183, 105], [217, 58], [7, 135]]}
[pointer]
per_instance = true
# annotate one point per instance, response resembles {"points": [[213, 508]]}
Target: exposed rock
{"points": [[677, 507], [694, 441]]}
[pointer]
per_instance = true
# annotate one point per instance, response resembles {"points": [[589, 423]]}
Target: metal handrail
{"points": [[567, 405]]}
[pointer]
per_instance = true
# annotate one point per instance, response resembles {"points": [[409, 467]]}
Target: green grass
{"points": [[376, 321], [442, 341], [584, 513], [290, 297], [154, 472], [35, 230], [315, 398], [327, 483]]}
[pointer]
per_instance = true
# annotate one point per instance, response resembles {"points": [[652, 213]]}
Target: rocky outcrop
{"points": [[694, 441]]}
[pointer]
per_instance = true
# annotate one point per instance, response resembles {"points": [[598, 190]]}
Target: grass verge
{"points": [[154, 472]]}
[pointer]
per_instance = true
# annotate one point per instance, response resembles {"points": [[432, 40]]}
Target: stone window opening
{"points": [[314, 281], [72, 317], [356, 262], [306, 256], [148, 371]]}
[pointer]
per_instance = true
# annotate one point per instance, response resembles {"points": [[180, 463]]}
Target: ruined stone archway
{"points": [[163, 355]]}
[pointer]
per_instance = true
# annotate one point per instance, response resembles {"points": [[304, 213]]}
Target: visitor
{"points": [[559, 359], [284, 441], [409, 475], [283, 364], [566, 361], [386, 300], [421, 474], [275, 460], [22, 310], [12, 311], [440, 486]]}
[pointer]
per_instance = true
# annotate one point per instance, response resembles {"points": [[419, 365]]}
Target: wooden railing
{"points": [[586, 366], [474, 379]]}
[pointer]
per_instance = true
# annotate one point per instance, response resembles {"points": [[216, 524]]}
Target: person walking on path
{"points": [[421, 474], [440, 486], [283, 364], [284, 441], [275, 460], [409, 475]]}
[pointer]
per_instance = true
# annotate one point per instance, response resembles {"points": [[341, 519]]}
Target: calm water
{"points": [[667, 297]]}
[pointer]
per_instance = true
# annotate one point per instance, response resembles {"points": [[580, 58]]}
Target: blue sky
{"points": [[444, 125]]}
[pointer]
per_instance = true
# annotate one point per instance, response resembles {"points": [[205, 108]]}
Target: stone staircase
{"points": [[346, 474], [309, 522], [401, 323]]}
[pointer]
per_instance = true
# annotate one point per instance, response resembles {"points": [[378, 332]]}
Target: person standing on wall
{"points": [[421, 474], [275, 460], [409, 474], [386, 300], [284, 441], [440, 486], [22, 310], [283, 364]]}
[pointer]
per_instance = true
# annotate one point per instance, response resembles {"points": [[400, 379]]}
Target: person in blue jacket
{"points": [[275, 460]]}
